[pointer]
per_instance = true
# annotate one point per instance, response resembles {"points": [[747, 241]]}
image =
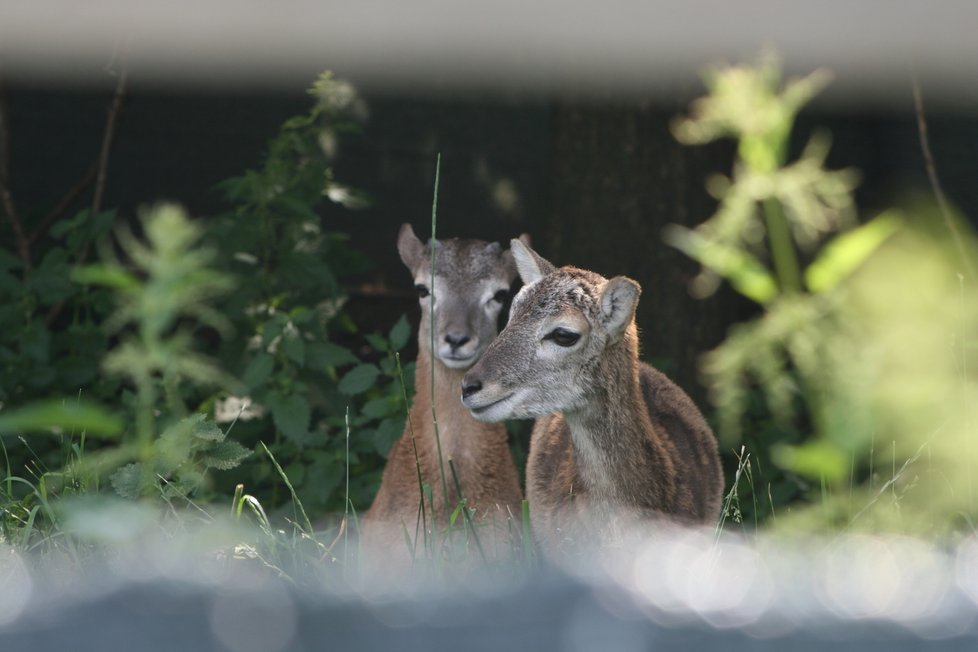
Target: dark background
{"points": [[593, 182]]}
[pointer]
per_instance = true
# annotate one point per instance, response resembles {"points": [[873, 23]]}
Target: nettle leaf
{"points": [[386, 434], [376, 408], [377, 342], [204, 428], [291, 415], [359, 379], [272, 328], [324, 476], [295, 349], [173, 448], [400, 333], [225, 455], [258, 370], [326, 354], [132, 481]]}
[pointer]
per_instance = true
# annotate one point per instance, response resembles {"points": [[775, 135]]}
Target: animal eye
{"points": [[422, 290], [563, 337], [501, 296]]}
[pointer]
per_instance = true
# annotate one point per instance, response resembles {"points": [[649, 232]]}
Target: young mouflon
{"points": [[615, 441], [471, 283]]}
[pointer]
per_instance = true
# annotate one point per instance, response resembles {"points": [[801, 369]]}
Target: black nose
{"points": [[471, 387], [456, 341]]}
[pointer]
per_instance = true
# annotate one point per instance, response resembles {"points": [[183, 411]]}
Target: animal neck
{"points": [[613, 437], [461, 435]]}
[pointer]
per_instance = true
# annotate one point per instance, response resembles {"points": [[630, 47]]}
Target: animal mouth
{"points": [[482, 409]]}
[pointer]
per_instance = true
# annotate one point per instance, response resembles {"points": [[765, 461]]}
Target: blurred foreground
{"points": [[685, 590]]}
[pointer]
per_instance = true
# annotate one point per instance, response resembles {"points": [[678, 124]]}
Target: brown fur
{"points": [[616, 442], [479, 451], [662, 452]]}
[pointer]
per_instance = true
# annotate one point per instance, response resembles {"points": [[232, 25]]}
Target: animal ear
{"points": [[410, 248], [509, 261], [531, 265], [618, 302]]}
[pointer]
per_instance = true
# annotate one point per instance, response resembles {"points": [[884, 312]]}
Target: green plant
{"points": [[295, 350], [826, 352], [161, 294]]}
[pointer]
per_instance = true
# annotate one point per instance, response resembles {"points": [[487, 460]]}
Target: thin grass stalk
{"points": [[346, 501], [431, 332], [528, 551], [422, 517], [237, 503], [285, 478], [465, 511], [743, 461]]}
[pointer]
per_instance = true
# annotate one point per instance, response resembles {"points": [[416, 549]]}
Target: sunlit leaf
{"points": [[104, 274], [745, 273], [68, 416], [817, 459], [847, 252]]}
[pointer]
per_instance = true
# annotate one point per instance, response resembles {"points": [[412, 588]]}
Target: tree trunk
{"points": [[619, 177]]}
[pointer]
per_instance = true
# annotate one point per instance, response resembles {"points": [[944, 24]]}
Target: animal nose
{"points": [[470, 387], [455, 340]]}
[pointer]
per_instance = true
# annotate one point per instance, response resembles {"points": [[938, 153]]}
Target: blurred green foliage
{"points": [[859, 353], [259, 288]]}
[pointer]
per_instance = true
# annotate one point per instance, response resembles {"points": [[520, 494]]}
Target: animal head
{"points": [[552, 353], [471, 283]]}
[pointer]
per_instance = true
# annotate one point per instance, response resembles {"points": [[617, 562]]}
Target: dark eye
{"points": [[501, 296], [563, 337], [422, 290]]}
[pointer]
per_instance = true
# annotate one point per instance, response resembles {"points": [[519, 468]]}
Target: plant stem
{"points": [[782, 249]]}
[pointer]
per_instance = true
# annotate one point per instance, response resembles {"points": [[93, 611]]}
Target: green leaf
{"points": [[291, 415], [377, 342], [64, 415], [745, 273], [376, 408], [295, 349], [109, 275], [204, 428], [326, 354], [817, 459], [132, 481], [9, 261], [387, 433], [359, 379], [258, 371], [400, 333], [35, 343], [225, 455], [840, 258], [61, 227], [173, 448]]}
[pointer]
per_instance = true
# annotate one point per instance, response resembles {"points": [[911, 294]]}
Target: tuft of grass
{"points": [[731, 502]]}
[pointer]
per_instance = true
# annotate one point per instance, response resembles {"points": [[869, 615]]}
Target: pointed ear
{"points": [[618, 302], [531, 265], [509, 262], [409, 247]]}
